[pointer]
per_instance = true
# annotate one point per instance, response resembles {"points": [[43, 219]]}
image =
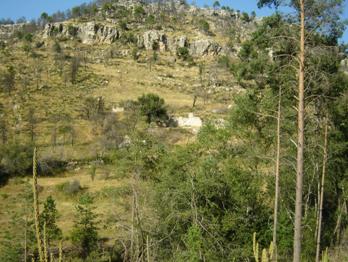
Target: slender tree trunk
{"points": [[36, 209], [60, 256], [26, 237], [45, 243], [132, 230], [147, 249], [276, 197], [194, 100], [300, 142], [320, 215]]}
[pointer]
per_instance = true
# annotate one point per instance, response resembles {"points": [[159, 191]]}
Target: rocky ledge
{"points": [[97, 33], [88, 33]]}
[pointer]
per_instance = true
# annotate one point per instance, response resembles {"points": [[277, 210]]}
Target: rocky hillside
{"points": [[203, 31]]}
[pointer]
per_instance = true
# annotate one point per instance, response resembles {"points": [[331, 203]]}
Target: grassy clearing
{"points": [[111, 198]]}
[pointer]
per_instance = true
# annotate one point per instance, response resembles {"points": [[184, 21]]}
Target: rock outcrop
{"points": [[204, 47], [6, 31], [88, 33], [153, 40], [92, 33], [344, 65], [175, 43]]}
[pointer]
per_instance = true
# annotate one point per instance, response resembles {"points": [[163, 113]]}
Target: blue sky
{"points": [[33, 8]]}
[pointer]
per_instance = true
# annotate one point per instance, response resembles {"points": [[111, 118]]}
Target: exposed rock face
{"points": [[344, 65], [154, 39], [92, 33], [196, 48], [6, 31], [182, 41], [204, 47], [174, 44], [89, 33]]}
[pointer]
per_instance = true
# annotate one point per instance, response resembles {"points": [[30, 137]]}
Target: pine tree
{"points": [[85, 232], [48, 217]]}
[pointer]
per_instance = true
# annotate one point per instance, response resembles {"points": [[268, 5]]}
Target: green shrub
{"points": [[183, 53], [51, 166], [85, 232], [139, 12], [150, 20], [39, 44], [203, 25], [153, 108], [70, 187], [28, 37], [224, 61], [111, 192], [2, 45], [123, 24], [16, 159], [72, 30], [245, 17], [135, 53], [128, 38]]}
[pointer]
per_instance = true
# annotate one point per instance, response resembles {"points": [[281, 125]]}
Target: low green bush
{"points": [[70, 187]]}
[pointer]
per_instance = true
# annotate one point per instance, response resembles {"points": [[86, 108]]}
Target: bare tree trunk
{"points": [[194, 100], [26, 238], [320, 215], [60, 256], [132, 229], [318, 203], [36, 209], [300, 142], [45, 243], [276, 198], [147, 249]]}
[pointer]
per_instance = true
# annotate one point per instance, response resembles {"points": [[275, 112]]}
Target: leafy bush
{"points": [[28, 37], [70, 187], [51, 166], [128, 38], [39, 44], [224, 61], [16, 159], [203, 25], [153, 108], [183, 53], [139, 12], [215, 186], [111, 192], [123, 24], [4, 176], [135, 53], [150, 20], [2, 45], [245, 17], [72, 30]]}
